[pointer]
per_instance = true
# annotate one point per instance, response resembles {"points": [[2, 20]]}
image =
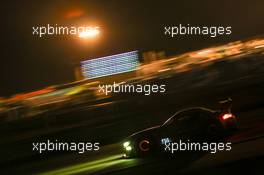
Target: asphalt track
{"points": [[247, 144]]}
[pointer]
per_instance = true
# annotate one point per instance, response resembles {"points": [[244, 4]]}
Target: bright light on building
{"points": [[89, 33]]}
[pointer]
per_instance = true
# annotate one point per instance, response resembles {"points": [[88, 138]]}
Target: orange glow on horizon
{"points": [[74, 13]]}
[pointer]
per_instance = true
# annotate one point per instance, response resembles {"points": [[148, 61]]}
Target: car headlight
{"points": [[127, 146]]}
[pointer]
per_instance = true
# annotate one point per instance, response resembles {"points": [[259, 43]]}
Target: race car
{"points": [[195, 124]]}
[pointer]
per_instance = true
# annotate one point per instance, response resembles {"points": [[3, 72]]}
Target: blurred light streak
{"points": [[204, 52], [260, 46], [164, 70], [91, 166]]}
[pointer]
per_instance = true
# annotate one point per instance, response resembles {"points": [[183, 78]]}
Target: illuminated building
{"points": [[110, 65]]}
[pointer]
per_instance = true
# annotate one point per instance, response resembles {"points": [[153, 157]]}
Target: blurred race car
{"points": [[195, 124]]}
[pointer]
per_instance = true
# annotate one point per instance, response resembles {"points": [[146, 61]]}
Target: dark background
{"points": [[29, 62]]}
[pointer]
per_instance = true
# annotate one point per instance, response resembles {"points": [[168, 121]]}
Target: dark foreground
{"points": [[108, 122]]}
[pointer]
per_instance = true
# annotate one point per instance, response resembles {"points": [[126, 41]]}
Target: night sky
{"points": [[30, 63]]}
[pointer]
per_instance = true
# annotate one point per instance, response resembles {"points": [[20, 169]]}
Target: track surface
{"points": [[112, 120]]}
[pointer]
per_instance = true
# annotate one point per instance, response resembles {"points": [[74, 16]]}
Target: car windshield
{"points": [[171, 119], [178, 115]]}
